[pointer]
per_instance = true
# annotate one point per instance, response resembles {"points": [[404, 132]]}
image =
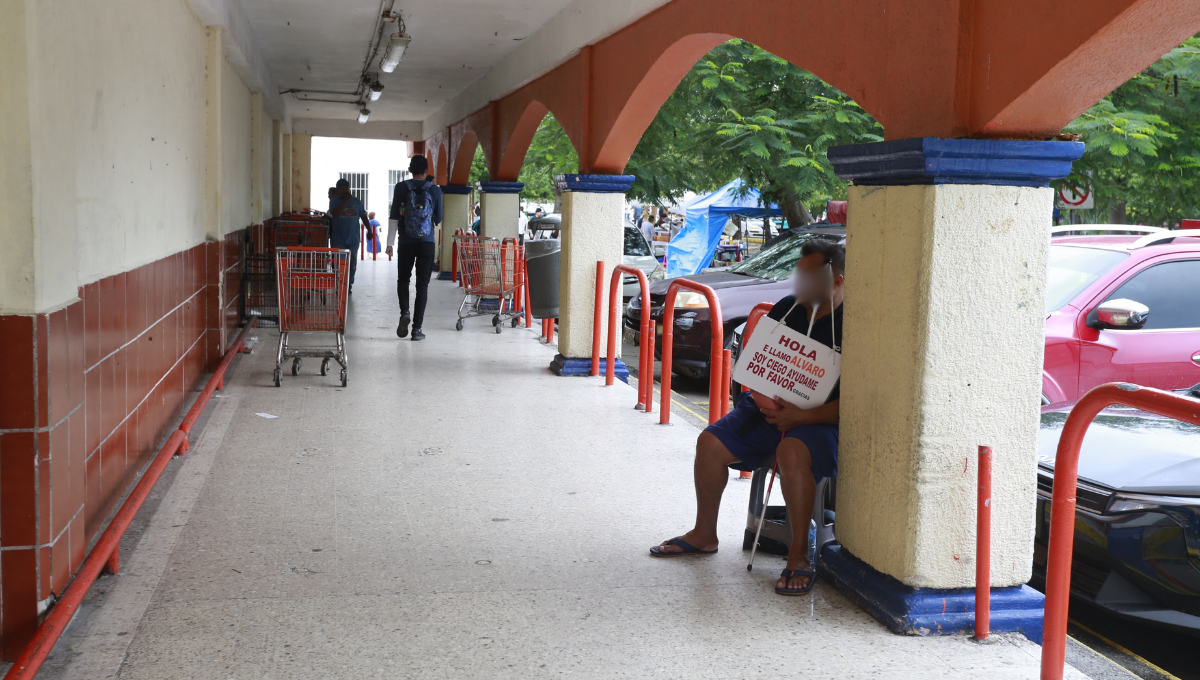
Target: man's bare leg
{"points": [[711, 473], [799, 489]]}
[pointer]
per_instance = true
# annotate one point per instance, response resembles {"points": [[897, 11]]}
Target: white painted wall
{"points": [[332, 155]]}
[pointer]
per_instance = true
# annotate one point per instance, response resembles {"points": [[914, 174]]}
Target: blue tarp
{"points": [[693, 247]]}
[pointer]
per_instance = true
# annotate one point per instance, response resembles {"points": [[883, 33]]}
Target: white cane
{"points": [[762, 517]]}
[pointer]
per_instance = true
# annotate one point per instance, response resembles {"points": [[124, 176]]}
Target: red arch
{"points": [[460, 168], [647, 98], [440, 166], [519, 139]]}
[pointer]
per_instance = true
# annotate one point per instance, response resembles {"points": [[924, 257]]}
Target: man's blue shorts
{"points": [[749, 437]]}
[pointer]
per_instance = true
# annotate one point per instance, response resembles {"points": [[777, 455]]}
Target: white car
{"points": [[638, 254]]}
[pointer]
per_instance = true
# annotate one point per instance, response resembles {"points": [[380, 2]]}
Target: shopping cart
{"points": [[492, 278], [312, 288]]}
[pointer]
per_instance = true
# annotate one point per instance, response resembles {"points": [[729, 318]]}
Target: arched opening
{"points": [[547, 153], [513, 159], [439, 167], [464, 155], [738, 113]]}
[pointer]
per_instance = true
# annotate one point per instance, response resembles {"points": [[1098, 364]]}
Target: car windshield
{"points": [[1073, 268], [777, 261], [635, 243]]}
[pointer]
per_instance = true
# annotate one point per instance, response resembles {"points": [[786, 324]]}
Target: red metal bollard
{"points": [[718, 346], [596, 320], [1062, 515], [645, 361], [113, 565], [983, 547]]}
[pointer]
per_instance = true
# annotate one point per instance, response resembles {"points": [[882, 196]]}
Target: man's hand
{"points": [[787, 417], [389, 251]]}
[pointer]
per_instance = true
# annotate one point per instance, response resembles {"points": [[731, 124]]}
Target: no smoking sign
{"points": [[1074, 196]]}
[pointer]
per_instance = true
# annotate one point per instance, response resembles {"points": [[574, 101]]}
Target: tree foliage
{"points": [[1143, 144]]}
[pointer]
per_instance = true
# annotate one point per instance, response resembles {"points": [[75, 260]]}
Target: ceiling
{"points": [[321, 45]]}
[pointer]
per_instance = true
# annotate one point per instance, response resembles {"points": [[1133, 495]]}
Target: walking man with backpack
{"points": [[416, 209]]}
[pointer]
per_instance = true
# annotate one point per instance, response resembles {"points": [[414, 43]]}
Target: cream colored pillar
{"points": [[592, 230], [302, 174], [455, 208], [286, 202], [499, 205], [276, 169], [18, 265], [259, 167], [943, 343]]}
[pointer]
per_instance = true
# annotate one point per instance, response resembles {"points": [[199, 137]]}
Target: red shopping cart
{"points": [[312, 288], [492, 277]]}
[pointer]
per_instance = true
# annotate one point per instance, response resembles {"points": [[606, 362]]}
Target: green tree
{"points": [[550, 153], [1142, 142]]}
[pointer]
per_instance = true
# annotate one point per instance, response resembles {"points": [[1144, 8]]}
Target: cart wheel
{"points": [[496, 320], [499, 327], [325, 367], [296, 366], [344, 377], [516, 320], [278, 377], [458, 326]]}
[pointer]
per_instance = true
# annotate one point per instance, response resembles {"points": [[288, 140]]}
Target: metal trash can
{"points": [[543, 257]]}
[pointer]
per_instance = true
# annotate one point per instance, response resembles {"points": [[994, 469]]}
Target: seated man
{"points": [[748, 435]]}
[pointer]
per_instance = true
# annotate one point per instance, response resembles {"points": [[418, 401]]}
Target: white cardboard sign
{"points": [[783, 364]]}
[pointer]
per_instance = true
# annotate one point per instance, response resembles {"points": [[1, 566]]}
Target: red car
{"points": [[1122, 308]]}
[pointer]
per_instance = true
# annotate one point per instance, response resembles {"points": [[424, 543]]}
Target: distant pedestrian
{"points": [[374, 245], [416, 208], [522, 224], [475, 224], [345, 212]]}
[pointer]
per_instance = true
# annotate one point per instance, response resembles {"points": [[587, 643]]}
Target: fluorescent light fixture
{"points": [[395, 51], [376, 91], [364, 114]]}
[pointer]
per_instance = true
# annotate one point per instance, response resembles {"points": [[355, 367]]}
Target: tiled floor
{"points": [[457, 512]]}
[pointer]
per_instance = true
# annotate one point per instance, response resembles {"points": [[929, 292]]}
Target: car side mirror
{"points": [[1121, 314]]}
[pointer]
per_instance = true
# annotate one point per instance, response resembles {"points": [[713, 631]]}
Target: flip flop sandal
{"points": [[688, 549], [790, 574]]}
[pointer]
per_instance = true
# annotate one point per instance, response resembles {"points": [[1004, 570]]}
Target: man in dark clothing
{"points": [[345, 213], [416, 210], [804, 441]]}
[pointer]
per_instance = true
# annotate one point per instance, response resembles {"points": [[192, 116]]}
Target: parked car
{"points": [[636, 254], [762, 278], [1137, 518], [1122, 308]]}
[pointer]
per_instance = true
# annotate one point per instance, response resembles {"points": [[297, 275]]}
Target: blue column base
{"points": [[561, 365], [929, 611], [443, 276]]}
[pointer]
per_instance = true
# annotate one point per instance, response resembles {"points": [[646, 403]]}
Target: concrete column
{"points": [[276, 169], [499, 205], [258, 160], [286, 203], [214, 63], [943, 342], [593, 229], [455, 209], [301, 180]]}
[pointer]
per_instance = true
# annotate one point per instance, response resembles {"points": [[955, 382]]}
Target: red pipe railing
{"points": [[528, 305], [646, 355], [726, 380], [760, 310], [715, 359], [983, 547], [1062, 509], [104, 555]]}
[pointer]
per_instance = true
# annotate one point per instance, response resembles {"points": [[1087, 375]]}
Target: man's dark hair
{"points": [[343, 183], [419, 165], [835, 253]]}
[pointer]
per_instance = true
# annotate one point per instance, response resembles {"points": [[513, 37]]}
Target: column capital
{"points": [[931, 160], [501, 187], [456, 189], [595, 184]]}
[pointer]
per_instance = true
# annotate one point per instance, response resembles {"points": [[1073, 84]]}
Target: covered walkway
{"points": [[459, 512]]}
